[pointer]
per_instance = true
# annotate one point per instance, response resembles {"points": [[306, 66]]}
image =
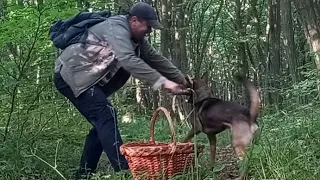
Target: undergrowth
{"points": [[287, 147]]}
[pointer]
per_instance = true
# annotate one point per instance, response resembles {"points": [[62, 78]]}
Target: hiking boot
{"points": [[82, 174]]}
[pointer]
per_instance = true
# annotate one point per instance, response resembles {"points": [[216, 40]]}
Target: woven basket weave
{"points": [[154, 160]]}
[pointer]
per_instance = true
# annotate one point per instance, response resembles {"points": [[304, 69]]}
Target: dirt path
{"points": [[227, 157]]}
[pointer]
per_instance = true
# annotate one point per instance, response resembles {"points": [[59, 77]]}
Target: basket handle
{"points": [[153, 120]]}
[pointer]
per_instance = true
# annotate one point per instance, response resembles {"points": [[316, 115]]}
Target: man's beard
{"points": [[139, 37]]}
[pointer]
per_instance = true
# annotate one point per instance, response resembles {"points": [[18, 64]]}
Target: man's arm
{"points": [[161, 63], [120, 40]]}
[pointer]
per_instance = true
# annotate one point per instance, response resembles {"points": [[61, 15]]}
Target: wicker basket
{"points": [[154, 160]]}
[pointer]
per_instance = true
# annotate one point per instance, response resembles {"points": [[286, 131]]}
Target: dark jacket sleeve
{"points": [[119, 37], [161, 63]]}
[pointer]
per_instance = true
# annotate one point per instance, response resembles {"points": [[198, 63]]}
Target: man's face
{"points": [[139, 28]]}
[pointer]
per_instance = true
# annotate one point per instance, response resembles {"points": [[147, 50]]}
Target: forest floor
{"points": [[286, 148]]}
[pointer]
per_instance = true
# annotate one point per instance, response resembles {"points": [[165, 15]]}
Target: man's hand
{"points": [[184, 81], [172, 87]]}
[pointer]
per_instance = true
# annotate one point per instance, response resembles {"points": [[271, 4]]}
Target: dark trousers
{"points": [[104, 135]]}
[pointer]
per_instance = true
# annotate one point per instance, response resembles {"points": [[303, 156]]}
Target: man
{"points": [[87, 74]]}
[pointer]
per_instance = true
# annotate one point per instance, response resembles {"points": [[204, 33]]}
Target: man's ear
{"points": [[134, 18]]}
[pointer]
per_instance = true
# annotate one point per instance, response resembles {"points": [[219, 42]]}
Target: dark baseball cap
{"points": [[146, 12]]}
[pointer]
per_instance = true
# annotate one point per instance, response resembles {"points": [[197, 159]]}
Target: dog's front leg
{"points": [[190, 135], [213, 141], [196, 128]]}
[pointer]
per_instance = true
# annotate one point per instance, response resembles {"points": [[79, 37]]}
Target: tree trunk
{"points": [[165, 34], [180, 52], [155, 94], [165, 40], [122, 6], [309, 14], [274, 57], [288, 40], [243, 63], [289, 43], [3, 8], [20, 2], [261, 65]]}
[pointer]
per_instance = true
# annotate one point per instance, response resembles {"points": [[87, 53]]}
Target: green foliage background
{"points": [[42, 134]]}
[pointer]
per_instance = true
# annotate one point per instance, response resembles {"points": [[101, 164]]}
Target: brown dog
{"points": [[213, 116]]}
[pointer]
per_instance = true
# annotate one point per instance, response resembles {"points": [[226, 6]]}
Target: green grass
{"points": [[288, 147]]}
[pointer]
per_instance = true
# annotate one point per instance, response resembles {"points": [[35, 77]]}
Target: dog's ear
{"points": [[228, 124], [205, 76], [190, 100], [189, 80]]}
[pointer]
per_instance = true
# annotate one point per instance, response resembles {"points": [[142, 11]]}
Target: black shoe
{"points": [[122, 166], [82, 174]]}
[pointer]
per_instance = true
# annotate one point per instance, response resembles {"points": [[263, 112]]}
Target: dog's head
{"points": [[199, 88]]}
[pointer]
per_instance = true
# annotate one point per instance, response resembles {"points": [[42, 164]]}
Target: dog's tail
{"points": [[254, 95]]}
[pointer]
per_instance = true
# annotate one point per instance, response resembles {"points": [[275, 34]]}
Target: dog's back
{"points": [[217, 113]]}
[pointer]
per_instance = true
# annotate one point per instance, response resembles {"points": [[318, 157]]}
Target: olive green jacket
{"points": [[84, 65]]}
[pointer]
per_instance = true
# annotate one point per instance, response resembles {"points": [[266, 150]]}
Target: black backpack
{"points": [[74, 30]]}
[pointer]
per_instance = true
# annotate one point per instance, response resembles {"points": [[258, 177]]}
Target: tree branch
{"points": [[21, 75]]}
